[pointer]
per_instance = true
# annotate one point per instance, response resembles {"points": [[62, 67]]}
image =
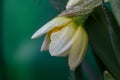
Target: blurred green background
{"points": [[21, 58]]}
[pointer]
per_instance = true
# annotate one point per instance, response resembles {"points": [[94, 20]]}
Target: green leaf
{"points": [[115, 4], [102, 39], [114, 31], [108, 76], [89, 72]]}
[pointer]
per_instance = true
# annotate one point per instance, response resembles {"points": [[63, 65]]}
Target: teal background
{"points": [[21, 58]]}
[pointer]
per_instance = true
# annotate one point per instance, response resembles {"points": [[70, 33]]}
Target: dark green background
{"points": [[21, 56]]}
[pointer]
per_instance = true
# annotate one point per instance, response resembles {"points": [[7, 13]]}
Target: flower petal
{"points": [[72, 3], [83, 7], [78, 48], [45, 44], [61, 40], [56, 22]]}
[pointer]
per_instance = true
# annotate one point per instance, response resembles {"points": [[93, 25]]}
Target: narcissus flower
{"points": [[64, 37]]}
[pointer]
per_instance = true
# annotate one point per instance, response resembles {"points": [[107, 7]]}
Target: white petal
{"points": [[78, 49], [45, 44], [61, 40], [81, 8], [56, 22], [71, 3]]}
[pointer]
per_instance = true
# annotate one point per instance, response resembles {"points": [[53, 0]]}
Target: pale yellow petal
{"points": [[61, 40], [45, 44], [78, 49], [56, 22]]}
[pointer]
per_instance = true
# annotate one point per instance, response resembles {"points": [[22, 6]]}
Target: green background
{"points": [[21, 57]]}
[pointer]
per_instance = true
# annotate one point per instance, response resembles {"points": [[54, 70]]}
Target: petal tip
{"points": [[72, 68], [52, 54], [34, 36], [41, 50]]}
